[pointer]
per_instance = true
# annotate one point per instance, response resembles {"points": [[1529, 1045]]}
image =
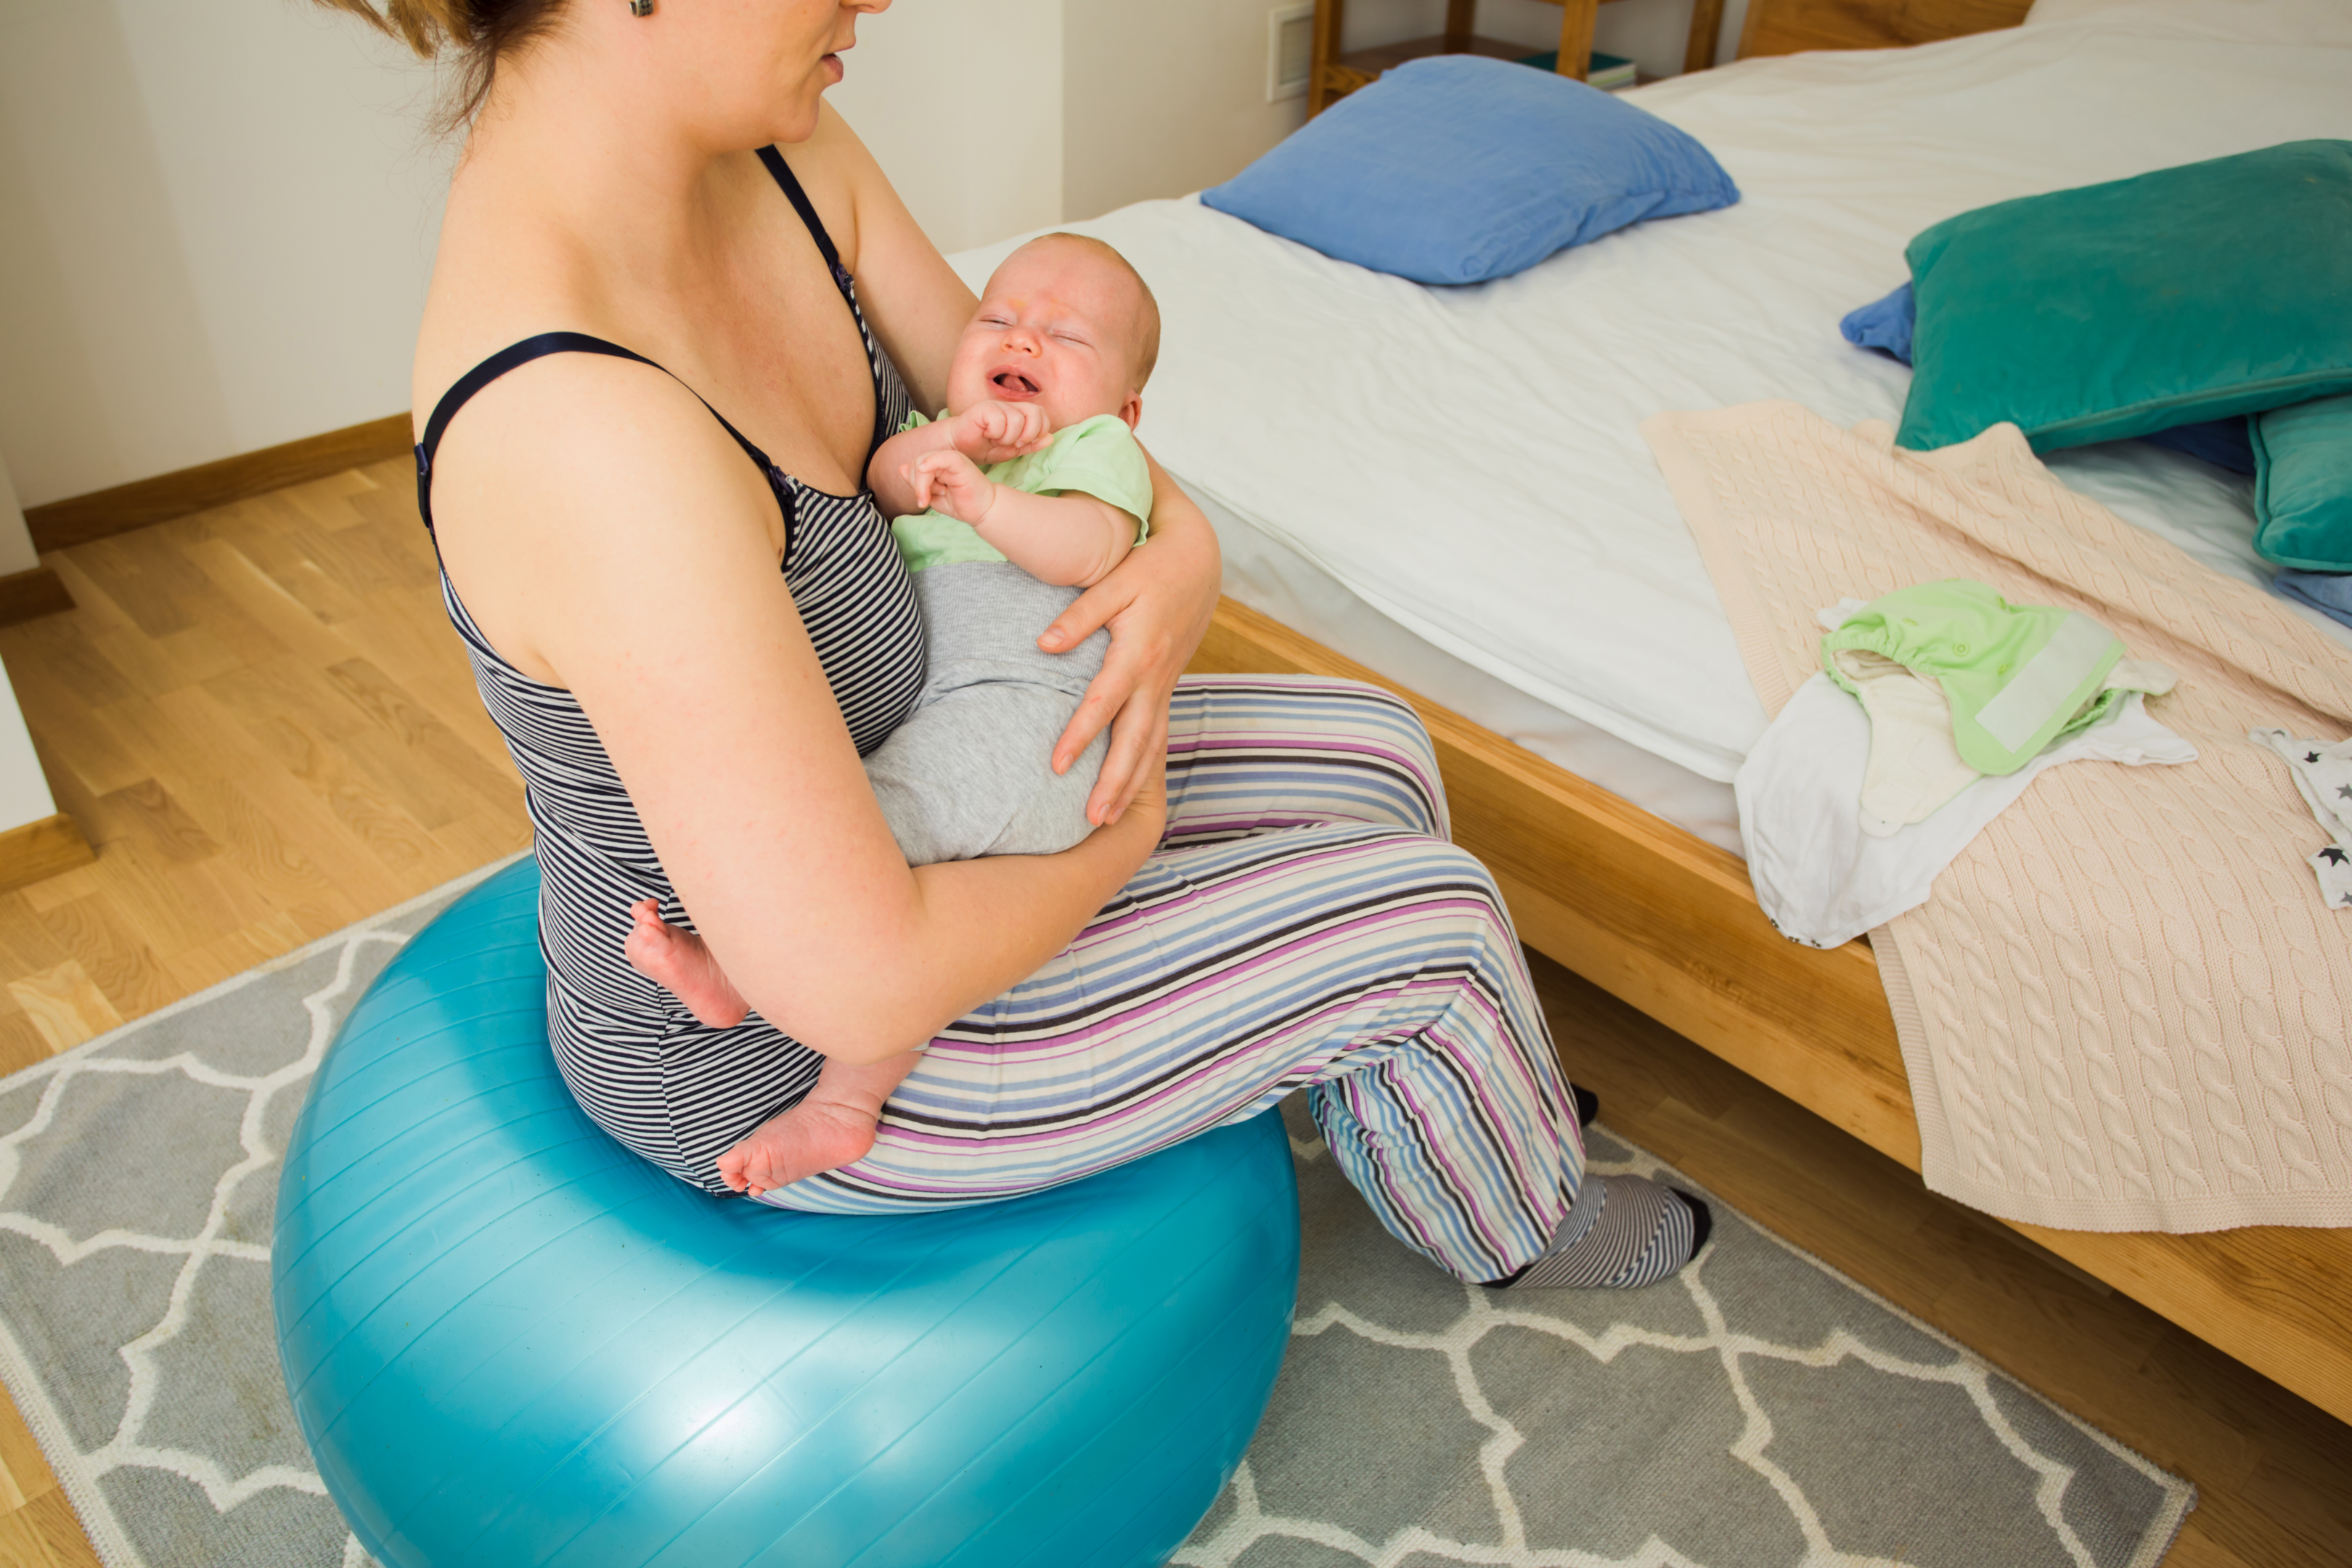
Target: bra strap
{"points": [[517, 354], [801, 204]]}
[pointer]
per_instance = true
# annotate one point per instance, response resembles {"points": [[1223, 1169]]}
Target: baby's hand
{"points": [[951, 482], [993, 432]]}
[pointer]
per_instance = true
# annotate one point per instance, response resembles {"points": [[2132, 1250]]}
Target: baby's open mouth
{"points": [[1013, 382]]}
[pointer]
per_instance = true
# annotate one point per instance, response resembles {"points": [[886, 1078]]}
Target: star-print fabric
{"points": [[2324, 773]]}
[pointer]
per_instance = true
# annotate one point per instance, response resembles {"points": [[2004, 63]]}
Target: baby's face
{"points": [[1060, 327]]}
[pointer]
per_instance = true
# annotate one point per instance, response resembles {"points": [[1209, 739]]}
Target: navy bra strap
{"points": [[801, 204], [522, 354]]}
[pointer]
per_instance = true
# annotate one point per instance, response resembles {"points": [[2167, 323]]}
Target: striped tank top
{"points": [[673, 1090]]}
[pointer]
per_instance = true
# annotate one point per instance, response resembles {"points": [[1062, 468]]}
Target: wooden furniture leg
{"points": [[1576, 20], [1330, 17], [1461, 17], [1707, 24]]}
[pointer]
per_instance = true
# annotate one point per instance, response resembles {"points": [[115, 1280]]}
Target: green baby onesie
{"points": [[1959, 683], [1099, 456]]}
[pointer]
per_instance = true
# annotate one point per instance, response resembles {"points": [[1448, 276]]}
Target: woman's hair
{"points": [[480, 31]]}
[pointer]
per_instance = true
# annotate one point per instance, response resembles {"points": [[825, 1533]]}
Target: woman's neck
{"points": [[568, 142]]}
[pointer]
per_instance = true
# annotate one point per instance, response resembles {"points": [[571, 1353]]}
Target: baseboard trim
{"points": [[25, 594], [40, 850], [77, 519]]}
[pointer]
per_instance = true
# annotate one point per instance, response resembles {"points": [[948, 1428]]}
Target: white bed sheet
{"points": [[1467, 462]]}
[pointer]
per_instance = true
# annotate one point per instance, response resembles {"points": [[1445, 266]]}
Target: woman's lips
{"points": [[832, 64]]}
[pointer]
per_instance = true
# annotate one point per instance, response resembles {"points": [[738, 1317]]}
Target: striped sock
{"points": [[1624, 1232]]}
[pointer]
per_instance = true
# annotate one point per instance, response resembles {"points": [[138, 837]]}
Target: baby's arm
{"points": [[1071, 539], [987, 432]]}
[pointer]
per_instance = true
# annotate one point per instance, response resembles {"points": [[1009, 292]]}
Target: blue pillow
{"points": [[2329, 592], [1885, 325], [1457, 168]]}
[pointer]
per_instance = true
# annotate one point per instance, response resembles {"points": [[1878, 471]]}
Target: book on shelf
{"points": [[1608, 72]]}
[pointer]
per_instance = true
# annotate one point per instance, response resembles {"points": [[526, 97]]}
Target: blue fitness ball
{"points": [[510, 1340]]}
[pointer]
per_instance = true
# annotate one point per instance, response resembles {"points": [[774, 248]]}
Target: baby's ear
{"points": [[1132, 410]]}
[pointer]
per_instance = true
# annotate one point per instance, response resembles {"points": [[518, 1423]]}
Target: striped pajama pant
{"points": [[1304, 924]]}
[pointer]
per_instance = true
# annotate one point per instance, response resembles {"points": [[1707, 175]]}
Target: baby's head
{"points": [[1064, 323]]}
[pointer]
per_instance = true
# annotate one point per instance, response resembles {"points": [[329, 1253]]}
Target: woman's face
{"points": [[762, 64]]}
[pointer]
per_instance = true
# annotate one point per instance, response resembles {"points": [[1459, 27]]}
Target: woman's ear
{"points": [[1132, 410]]}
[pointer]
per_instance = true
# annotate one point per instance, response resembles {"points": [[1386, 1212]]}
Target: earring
{"points": [[641, 7]]}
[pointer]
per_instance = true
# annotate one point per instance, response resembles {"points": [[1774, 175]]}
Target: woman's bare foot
{"points": [[681, 961], [814, 1135]]}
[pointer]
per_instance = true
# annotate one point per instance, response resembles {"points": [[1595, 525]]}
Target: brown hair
{"points": [[1147, 345], [481, 30]]}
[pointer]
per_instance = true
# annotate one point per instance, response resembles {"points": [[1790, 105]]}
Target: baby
{"points": [[1045, 390]]}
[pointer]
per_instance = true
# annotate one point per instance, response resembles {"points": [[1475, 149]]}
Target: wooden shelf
{"points": [[1359, 67]]}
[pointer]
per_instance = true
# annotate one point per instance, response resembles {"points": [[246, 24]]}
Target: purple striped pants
{"points": [[1304, 924]]}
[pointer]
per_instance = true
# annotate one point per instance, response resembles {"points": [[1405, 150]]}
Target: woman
{"points": [[673, 304]]}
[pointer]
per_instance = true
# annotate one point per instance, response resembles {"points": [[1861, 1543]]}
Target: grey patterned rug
{"points": [[1759, 1410]]}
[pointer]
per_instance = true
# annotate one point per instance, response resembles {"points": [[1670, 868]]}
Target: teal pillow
{"points": [[2095, 314], [2303, 485]]}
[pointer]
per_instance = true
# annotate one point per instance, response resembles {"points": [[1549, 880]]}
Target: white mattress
{"points": [[1450, 484]]}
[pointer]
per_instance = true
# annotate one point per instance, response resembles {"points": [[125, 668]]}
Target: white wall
{"points": [[24, 791], [219, 217], [1159, 98], [17, 553], [960, 100]]}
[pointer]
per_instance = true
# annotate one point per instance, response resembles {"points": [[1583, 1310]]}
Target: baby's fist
{"points": [[951, 482], [995, 432]]}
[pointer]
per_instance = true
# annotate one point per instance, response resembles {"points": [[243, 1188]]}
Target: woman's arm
{"points": [[633, 555], [1157, 604]]}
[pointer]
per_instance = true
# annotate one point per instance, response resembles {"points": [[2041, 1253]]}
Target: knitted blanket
{"points": [[2125, 1008]]}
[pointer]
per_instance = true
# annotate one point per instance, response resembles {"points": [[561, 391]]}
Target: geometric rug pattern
{"points": [[1760, 1409]]}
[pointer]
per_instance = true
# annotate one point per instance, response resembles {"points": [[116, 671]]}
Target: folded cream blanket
{"points": [[2124, 1006]]}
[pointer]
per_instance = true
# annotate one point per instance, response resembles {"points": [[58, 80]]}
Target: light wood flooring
{"points": [[261, 719], [260, 716]]}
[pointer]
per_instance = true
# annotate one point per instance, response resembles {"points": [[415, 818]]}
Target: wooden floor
{"points": [[262, 718]]}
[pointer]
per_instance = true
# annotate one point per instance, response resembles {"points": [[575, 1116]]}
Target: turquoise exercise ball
{"points": [[510, 1340]]}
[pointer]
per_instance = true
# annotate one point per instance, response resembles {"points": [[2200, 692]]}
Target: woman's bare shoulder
{"points": [[566, 481]]}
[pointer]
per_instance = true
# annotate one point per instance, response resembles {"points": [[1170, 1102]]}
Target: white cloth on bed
{"points": [[1821, 876]]}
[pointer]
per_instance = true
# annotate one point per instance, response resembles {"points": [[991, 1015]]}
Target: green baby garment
{"points": [[1099, 456], [1959, 683]]}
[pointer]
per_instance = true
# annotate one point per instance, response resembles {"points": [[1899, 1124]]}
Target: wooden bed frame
{"points": [[1670, 923]]}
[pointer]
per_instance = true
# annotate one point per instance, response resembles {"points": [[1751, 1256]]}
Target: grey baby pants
{"points": [[971, 770]]}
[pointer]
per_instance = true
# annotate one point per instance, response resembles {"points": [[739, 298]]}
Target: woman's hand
{"points": [[1157, 604]]}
